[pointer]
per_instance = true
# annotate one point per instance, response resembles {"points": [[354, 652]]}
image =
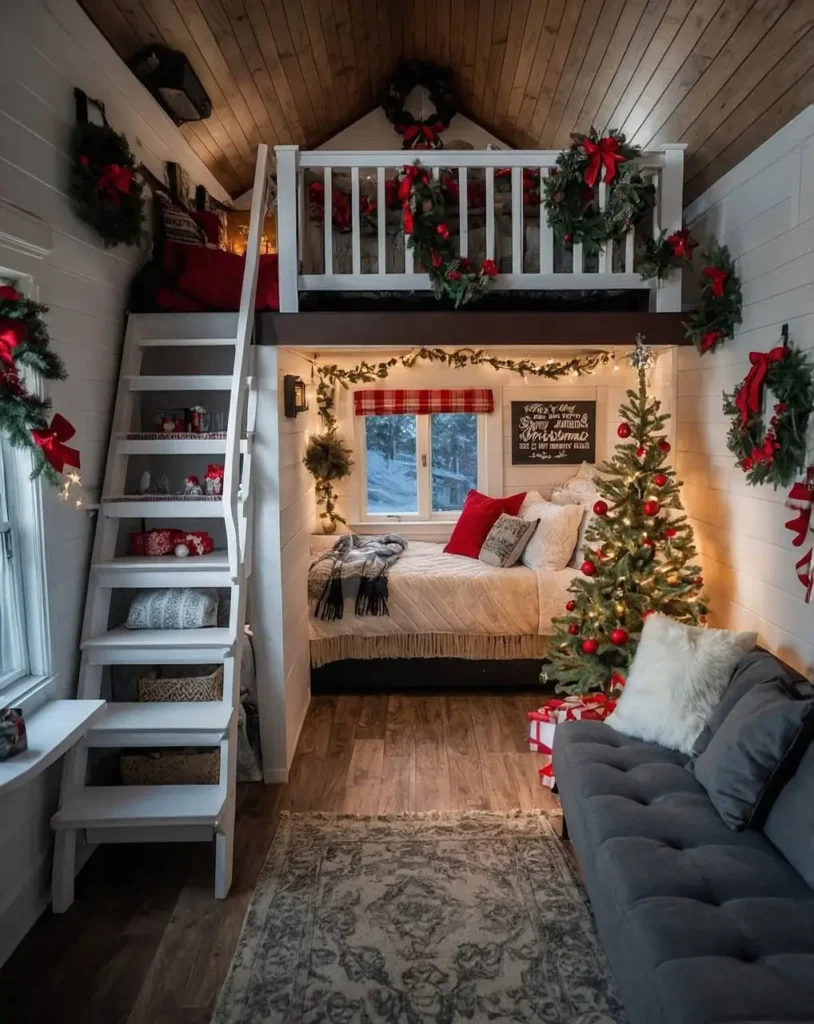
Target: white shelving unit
{"points": [[171, 812]]}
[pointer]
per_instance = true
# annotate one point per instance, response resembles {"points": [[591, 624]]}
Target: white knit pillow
{"points": [[552, 543], [677, 677], [568, 496]]}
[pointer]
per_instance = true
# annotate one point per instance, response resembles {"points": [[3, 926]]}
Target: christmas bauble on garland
{"points": [[572, 191], [103, 185], [423, 133]]}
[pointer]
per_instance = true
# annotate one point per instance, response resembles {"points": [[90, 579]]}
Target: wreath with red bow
{"points": [[24, 343], [571, 193], [103, 185], [721, 303], [419, 133], [775, 454], [658, 257]]}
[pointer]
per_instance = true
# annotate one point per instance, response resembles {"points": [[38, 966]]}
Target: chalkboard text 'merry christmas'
{"points": [[553, 432]]}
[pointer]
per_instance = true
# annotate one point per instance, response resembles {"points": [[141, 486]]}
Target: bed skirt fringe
{"points": [[473, 647]]}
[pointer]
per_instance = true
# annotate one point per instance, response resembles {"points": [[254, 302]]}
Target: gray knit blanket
{"points": [[354, 567]]}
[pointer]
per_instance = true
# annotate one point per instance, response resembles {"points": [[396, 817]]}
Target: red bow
{"points": [[420, 134], [602, 155], [717, 279], [709, 339], [52, 441], [9, 294], [765, 453], [682, 244], [411, 173], [12, 332], [748, 399], [113, 180], [805, 575]]}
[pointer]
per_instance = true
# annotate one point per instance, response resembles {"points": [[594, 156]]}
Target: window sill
{"points": [[51, 731], [28, 694]]}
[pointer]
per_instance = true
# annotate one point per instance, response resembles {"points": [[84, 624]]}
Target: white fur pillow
{"points": [[553, 542], [677, 677]]}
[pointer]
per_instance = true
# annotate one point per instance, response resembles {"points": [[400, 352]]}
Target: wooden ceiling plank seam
{"points": [[243, 29], [384, 16], [559, 56], [685, 41], [618, 47], [442, 8], [264, 37], [309, 116], [486, 17], [715, 37], [781, 38], [511, 56], [669, 26], [315, 79], [497, 54], [376, 68], [420, 33], [456, 33], [554, 14], [362, 48], [141, 21], [470, 30], [396, 19], [339, 74], [114, 27], [345, 34], [595, 57], [787, 106], [769, 90], [532, 39], [587, 26], [220, 25], [200, 138], [757, 23]]}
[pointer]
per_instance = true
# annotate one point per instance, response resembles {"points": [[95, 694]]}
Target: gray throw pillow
{"points": [[790, 824], [506, 540], [176, 608], [755, 752]]}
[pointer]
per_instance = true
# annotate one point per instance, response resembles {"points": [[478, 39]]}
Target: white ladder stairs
{"points": [[168, 813]]}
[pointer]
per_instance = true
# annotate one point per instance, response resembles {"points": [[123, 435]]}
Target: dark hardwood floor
{"points": [[146, 942]]}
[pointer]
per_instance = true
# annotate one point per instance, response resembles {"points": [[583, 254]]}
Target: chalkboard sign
{"points": [[551, 433]]}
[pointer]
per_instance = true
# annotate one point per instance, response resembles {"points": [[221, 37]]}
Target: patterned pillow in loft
{"points": [[173, 609], [507, 540], [179, 224]]}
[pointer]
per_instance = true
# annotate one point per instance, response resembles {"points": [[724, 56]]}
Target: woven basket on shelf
{"points": [[164, 768], [194, 688]]}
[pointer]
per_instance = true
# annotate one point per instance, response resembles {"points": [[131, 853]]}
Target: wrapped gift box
{"points": [[544, 721]]}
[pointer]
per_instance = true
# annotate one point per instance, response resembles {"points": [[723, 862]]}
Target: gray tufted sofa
{"points": [[702, 925]]}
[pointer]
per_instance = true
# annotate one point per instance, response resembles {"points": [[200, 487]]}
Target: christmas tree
{"points": [[640, 557]]}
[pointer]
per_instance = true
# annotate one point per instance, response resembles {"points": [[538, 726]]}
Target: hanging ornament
{"points": [[664, 446], [641, 452], [588, 568], [651, 508], [573, 629], [659, 479], [641, 356], [618, 593], [670, 532], [699, 581], [600, 508], [648, 543], [618, 637], [623, 430], [801, 500], [570, 606], [590, 646], [620, 608]]}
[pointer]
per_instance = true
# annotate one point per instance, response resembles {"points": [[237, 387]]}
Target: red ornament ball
{"points": [[670, 532], [588, 568], [623, 430], [648, 543], [699, 581], [568, 239], [570, 606], [600, 508], [659, 479], [702, 619], [573, 629], [651, 508], [640, 452], [590, 646], [619, 637], [664, 446]]}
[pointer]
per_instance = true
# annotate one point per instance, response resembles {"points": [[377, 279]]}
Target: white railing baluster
{"points": [[463, 213], [490, 213], [603, 253], [287, 260], [356, 228], [546, 234], [577, 261], [300, 212], [517, 220], [381, 220], [328, 221], [670, 204], [630, 244]]}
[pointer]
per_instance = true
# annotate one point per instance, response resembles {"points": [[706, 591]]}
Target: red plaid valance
{"points": [[393, 403]]}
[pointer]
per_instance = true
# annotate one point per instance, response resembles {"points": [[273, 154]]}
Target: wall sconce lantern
{"points": [[294, 398]]}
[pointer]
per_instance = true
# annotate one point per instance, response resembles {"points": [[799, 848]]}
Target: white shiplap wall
{"points": [[763, 210], [47, 48]]}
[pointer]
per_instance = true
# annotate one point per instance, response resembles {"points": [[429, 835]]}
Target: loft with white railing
{"points": [[371, 254]]}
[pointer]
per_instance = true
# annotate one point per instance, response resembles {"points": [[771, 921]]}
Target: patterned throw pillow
{"points": [[507, 540], [173, 609], [179, 224]]}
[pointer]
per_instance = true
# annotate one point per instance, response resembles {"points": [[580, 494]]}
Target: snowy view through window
{"points": [[392, 484]]}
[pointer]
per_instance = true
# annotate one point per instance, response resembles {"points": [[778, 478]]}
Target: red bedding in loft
{"points": [[199, 279]]}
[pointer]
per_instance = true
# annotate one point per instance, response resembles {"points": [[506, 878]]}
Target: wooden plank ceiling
{"points": [[719, 75]]}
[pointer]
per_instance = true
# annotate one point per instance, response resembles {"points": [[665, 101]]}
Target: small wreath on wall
{"points": [[775, 454], [571, 193], [422, 133], [659, 257], [721, 304]]}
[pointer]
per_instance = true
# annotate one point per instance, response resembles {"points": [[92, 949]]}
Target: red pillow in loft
{"points": [[478, 516], [214, 277]]}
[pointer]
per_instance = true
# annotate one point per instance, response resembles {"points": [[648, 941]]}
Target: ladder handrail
{"points": [[245, 327]]}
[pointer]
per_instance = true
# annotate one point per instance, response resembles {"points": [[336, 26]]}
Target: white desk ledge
{"points": [[52, 730]]}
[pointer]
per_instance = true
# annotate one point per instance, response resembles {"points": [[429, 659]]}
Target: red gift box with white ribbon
{"points": [[544, 721]]}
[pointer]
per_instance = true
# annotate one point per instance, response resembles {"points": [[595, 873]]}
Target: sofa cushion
{"points": [[790, 824], [702, 925]]}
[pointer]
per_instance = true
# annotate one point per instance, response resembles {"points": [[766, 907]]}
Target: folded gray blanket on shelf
{"points": [[354, 567]]}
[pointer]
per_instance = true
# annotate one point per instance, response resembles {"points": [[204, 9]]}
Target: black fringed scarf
{"points": [[355, 566]]}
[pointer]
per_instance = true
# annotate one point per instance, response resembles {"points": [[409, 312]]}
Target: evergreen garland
{"points": [[327, 458], [571, 193], [103, 187], [720, 308]]}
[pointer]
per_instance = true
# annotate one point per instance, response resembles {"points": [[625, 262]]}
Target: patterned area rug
{"points": [[418, 920]]}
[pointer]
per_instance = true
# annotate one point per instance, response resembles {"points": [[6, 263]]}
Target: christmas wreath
{"points": [[24, 343], [659, 256], [773, 455], [103, 185], [720, 307], [571, 193], [451, 276], [419, 133]]}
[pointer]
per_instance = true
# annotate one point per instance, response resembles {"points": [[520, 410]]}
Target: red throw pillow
{"points": [[210, 222], [214, 277], [478, 516]]}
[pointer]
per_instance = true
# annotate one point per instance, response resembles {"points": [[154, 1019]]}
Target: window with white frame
{"points": [[14, 660]]}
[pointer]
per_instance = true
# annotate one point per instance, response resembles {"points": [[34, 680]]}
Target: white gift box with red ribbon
{"points": [[544, 721]]}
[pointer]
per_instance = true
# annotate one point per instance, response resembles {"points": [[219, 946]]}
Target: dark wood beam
{"points": [[463, 328]]}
